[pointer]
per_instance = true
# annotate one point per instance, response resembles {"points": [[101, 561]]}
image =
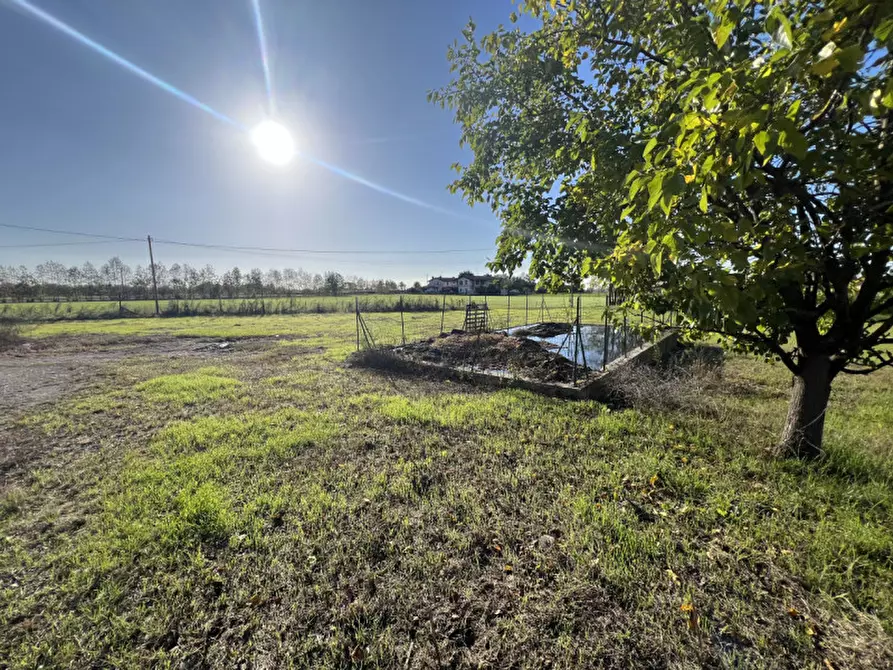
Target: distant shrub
{"points": [[9, 334]]}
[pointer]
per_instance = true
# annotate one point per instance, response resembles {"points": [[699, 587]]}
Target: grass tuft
{"points": [[189, 388]]}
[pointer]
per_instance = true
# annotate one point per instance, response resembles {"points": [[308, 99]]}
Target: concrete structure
{"points": [[596, 386]]}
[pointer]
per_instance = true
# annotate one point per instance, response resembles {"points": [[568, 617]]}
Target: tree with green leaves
{"points": [[334, 283], [729, 160]]}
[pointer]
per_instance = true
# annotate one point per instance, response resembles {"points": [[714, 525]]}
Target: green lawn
{"points": [[516, 308], [275, 508], [384, 327]]}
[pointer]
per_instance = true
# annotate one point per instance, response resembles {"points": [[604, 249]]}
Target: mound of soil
{"points": [[495, 352], [547, 329]]}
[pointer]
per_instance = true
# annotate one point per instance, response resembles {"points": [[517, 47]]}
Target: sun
{"points": [[273, 142]]}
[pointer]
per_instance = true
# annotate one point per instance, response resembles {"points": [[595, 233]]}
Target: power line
{"points": [[72, 232], [259, 250], [226, 247], [55, 244]]}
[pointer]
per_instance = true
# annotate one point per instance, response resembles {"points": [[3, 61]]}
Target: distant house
{"points": [[466, 284], [442, 285], [472, 284]]}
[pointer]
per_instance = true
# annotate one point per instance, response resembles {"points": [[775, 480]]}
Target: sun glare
{"points": [[273, 142]]}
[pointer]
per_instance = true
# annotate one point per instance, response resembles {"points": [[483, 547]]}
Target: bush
{"points": [[687, 381], [9, 334]]}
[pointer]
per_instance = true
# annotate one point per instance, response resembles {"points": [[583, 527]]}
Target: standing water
{"points": [[600, 344]]}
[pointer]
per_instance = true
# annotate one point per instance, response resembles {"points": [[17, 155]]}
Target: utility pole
{"points": [[154, 282]]}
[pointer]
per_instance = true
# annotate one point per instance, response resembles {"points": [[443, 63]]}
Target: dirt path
{"points": [[37, 374]]}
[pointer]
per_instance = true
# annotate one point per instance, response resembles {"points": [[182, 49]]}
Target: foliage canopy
{"points": [[730, 160]]}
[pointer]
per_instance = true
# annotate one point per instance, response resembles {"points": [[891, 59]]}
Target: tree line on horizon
{"points": [[114, 280]]}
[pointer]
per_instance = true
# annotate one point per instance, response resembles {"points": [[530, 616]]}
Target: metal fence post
{"points": [[508, 312], [442, 313], [576, 328], [526, 307], [624, 333], [357, 312], [402, 324]]}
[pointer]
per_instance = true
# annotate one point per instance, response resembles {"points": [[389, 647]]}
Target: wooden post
{"points": [[357, 312], [402, 324], [154, 282]]}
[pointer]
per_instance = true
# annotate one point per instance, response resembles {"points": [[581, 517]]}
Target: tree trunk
{"points": [[805, 425]]}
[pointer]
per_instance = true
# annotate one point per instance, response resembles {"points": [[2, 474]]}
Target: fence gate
{"points": [[477, 318]]}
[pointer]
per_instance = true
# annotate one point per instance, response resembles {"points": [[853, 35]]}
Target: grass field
{"points": [[550, 307], [270, 507]]}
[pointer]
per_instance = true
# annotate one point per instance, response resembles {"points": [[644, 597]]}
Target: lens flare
{"points": [[120, 60], [273, 142], [264, 59], [341, 172]]}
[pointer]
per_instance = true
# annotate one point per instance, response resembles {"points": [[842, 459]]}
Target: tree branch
{"points": [[770, 344], [867, 370]]}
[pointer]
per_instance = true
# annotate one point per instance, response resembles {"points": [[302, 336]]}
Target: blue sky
{"points": [[86, 145]]}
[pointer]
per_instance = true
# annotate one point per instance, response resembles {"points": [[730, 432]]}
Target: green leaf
{"points": [[721, 33], [669, 241], [791, 139], [760, 140], [850, 58], [655, 190], [780, 28], [649, 147], [884, 30], [657, 260], [825, 66], [703, 203], [674, 186]]}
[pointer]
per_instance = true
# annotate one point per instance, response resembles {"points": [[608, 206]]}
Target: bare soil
{"points": [[495, 352], [37, 374]]}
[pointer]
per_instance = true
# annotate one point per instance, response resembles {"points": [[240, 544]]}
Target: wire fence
{"points": [[403, 324], [579, 328]]}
